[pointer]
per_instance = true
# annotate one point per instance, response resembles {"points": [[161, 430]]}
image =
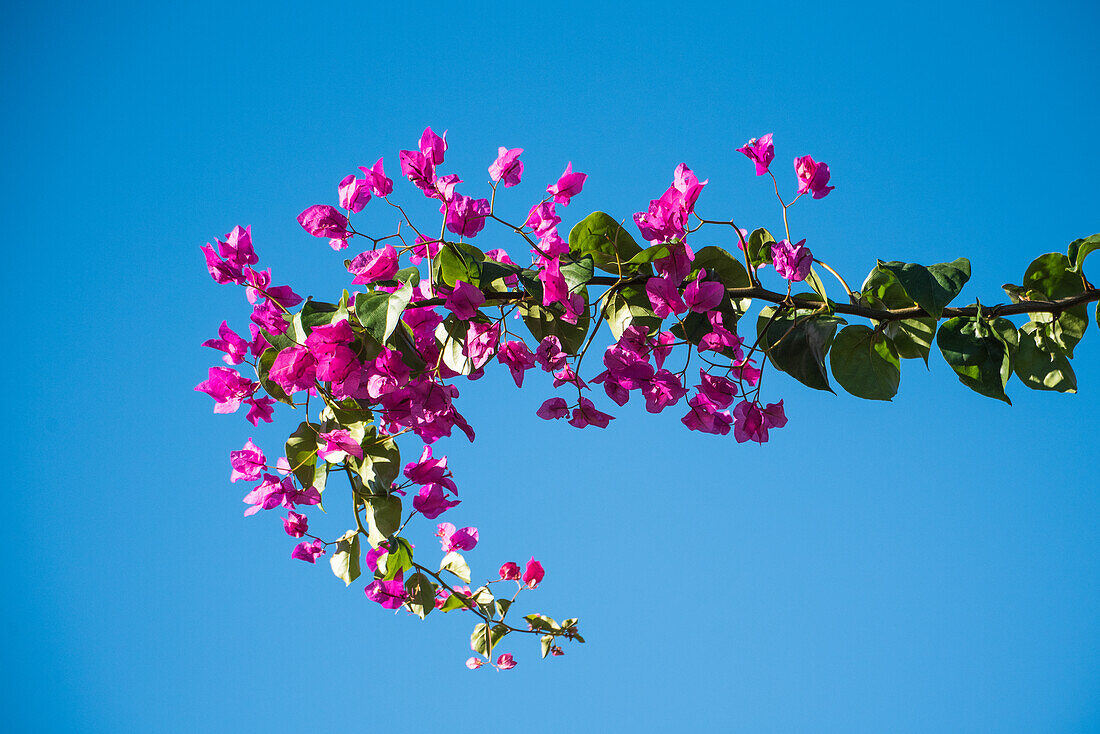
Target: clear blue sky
{"points": [[931, 564]]}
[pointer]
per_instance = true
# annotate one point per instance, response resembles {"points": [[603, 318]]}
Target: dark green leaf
{"points": [[814, 281], [1040, 369], [723, 268], [609, 244], [263, 369], [912, 337], [483, 639], [629, 305], [383, 517], [543, 322], [381, 462], [316, 313], [345, 558], [577, 273], [797, 345], [931, 287], [882, 290], [1051, 275], [458, 261], [397, 559], [380, 312], [451, 335], [421, 594], [301, 452], [865, 363], [979, 355], [649, 254], [760, 247], [1079, 249]]}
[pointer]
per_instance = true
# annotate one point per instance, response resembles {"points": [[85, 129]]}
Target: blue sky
{"points": [[929, 564]]}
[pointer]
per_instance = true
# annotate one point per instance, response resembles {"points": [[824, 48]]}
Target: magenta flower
{"points": [[390, 594], [751, 422], [664, 296], [309, 552], [372, 266], [376, 178], [662, 391], [507, 168], [473, 663], [237, 247], [433, 146], [585, 414], [812, 177], [518, 357], [295, 525], [222, 271], [451, 539], [248, 463], [542, 218], [568, 185], [505, 661], [466, 215], [227, 387], [719, 337], [549, 354], [481, 342], [792, 261], [667, 217], [259, 409], [235, 347], [705, 416], [354, 193], [464, 300], [322, 220], [428, 470], [701, 295], [718, 390], [431, 502], [533, 575], [553, 409], [419, 169], [760, 151], [554, 287], [294, 369], [424, 247], [337, 445], [509, 571]]}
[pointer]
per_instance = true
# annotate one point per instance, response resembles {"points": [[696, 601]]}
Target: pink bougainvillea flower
{"points": [[376, 177], [774, 417], [505, 661], [227, 387], [718, 390], [663, 390], [390, 594], [760, 151], [552, 409], [554, 287], [542, 218], [445, 188], [812, 176], [464, 300], [664, 296], [429, 470], [705, 416], [549, 354], [585, 414], [719, 337], [568, 185], [248, 463], [481, 342], [294, 369], [374, 265], [295, 525], [466, 215], [509, 571], [701, 295], [473, 663], [222, 271], [337, 445], [424, 247], [322, 220], [533, 574], [431, 502], [750, 422], [667, 217], [235, 347], [237, 247], [309, 552], [792, 261], [518, 357], [259, 409], [354, 193], [746, 370], [419, 169], [507, 168], [433, 146], [451, 539]]}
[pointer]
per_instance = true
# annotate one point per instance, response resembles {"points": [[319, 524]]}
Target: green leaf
{"points": [[577, 273], [484, 639], [345, 560], [380, 312], [542, 623], [760, 247], [883, 290], [458, 261], [503, 605], [451, 335], [1039, 368], [301, 452], [979, 355], [607, 242], [397, 559], [1079, 249], [814, 281], [381, 462], [1052, 276], [542, 322], [493, 274], [629, 305], [797, 345], [865, 363], [348, 412], [932, 287], [912, 337], [649, 254], [456, 564], [263, 370], [383, 517], [315, 313], [421, 594], [457, 600], [547, 641], [278, 341]]}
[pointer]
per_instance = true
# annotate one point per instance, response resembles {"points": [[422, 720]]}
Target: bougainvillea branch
{"points": [[380, 363]]}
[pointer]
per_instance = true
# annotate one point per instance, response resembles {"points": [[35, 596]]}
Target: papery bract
{"points": [[760, 151], [464, 300], [510, 571], [792, 261], [322, 220], [507, 168], [390, 594], [248, 463], [533, 574], [376, 177], [505, 661], [372, 266], [227, 387], [309, 552], [295, 524], [569, 185], [465, 215], [354, 193], [235, 347], [812, 176], [431, 502]]}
